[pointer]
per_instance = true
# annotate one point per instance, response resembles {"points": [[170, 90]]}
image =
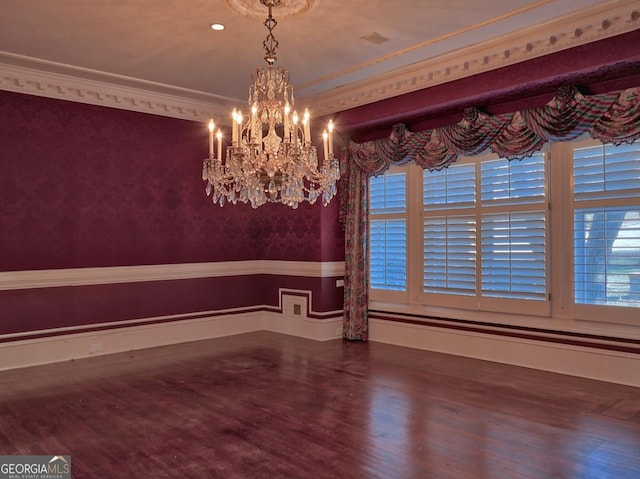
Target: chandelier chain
{"points": [[270, 44]]}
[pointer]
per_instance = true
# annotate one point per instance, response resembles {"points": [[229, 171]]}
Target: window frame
{"points": [[595, 312], [480, 301]]}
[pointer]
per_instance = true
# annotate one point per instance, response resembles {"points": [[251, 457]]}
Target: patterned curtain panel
{"points": [[356, 281], [612, 118]]}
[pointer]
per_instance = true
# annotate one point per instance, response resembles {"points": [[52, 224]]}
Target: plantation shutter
{"points": [[606, 220], [452, 187], [388, 232], [449, 248], [513, 255], [513, 228], [606, 171], [449, 237]]}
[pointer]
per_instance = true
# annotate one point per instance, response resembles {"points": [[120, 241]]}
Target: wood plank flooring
{"points": [[264, 405]]}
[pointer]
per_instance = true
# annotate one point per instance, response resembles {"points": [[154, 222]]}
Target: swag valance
{"points": [[611, 117]]}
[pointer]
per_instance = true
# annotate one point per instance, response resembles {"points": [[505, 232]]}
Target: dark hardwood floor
{"points": [[264, 405]]}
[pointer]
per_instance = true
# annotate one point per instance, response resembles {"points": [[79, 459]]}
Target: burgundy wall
{"points": [[85, 186], [49, 308], [309, 233], [89, 186]]}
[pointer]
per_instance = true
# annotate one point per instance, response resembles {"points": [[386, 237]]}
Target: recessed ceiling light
{"points": [[217, 26]]}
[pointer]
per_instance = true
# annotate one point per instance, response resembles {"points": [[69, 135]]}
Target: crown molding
{"points": [[33, 76], [49, 79], [603, 21]]}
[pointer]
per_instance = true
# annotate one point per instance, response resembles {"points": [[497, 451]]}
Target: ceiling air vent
{"points": [[374, 37]]}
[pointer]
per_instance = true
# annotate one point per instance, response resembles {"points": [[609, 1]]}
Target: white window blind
{"points": [[607, 256], [513, 255], [452, 187], [515, 181], [606, 171], [606, 225], [388, 254], [388, 232], [388, 193], [449, 248]]}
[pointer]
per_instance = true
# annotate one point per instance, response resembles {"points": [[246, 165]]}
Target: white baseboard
{"points": [[51, 349], [316, 329], [77, 345], [599, 364]]}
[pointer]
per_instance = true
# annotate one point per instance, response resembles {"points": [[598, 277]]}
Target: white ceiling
{"points": [[167, 47]]}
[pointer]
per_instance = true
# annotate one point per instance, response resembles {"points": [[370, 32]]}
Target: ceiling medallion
{"points": [[286, 8]]}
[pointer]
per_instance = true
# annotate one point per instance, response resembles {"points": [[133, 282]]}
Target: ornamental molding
{"points": [[53, 80], [602, 22], [32, 76]]}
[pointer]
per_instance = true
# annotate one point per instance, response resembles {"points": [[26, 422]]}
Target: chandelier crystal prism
{"points": [[271, 157]]}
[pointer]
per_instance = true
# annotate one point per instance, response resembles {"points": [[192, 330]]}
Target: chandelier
{"points": [[271, 157]]}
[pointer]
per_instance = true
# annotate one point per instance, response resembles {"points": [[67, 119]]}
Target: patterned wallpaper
{"points": [[86, 186]]}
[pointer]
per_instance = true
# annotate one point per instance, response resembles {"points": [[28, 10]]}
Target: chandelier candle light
{"points": [[271, 157]]}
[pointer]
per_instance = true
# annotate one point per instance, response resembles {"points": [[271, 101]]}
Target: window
{"points": [[513, 231], [388, 232], [476, 236], [484, 233], [449, 231], [606, 219]]}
